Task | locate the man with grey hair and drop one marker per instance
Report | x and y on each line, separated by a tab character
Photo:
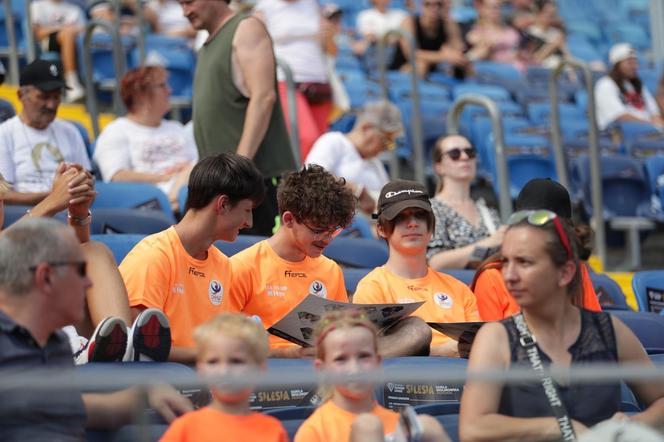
34	143
354	156
42	288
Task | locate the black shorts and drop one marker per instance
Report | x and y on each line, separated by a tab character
50	43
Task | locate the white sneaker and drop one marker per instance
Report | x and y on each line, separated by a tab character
107	344
74	94
149	337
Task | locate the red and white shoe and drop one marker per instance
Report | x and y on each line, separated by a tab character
107	344
149	337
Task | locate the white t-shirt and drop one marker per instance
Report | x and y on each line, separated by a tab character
126	145
51	13
29	156
610	105
294	27
374	22
336	153
169	16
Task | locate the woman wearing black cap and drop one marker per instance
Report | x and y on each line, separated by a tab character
541	270
494	301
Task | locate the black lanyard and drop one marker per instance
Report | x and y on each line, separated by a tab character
528	341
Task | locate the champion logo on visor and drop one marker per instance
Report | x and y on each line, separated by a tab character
399	192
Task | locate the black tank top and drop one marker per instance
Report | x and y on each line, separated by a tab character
423	41
586	403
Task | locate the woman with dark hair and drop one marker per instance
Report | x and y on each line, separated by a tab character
540	266
494	300
467	231
438	40
621	95
143	146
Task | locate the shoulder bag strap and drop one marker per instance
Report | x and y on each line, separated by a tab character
528	341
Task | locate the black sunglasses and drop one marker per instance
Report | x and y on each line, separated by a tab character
455	154
81	266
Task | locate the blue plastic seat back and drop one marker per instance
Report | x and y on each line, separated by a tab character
523	168
357	252
132	195
496	93
608	291
114	220
447	413
654	169
648	327
241	242
352	276
464	275
120	244
84	134
648	288
6	110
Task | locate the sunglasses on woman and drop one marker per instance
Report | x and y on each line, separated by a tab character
455	154
540	218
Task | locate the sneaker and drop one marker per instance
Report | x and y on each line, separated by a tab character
149	337
107	344
74	94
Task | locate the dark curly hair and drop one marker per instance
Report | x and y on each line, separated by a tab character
313	194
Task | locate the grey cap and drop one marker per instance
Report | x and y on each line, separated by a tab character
382	114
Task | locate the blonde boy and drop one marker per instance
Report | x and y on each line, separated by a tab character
229	343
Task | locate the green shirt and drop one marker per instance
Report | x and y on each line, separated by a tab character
219	108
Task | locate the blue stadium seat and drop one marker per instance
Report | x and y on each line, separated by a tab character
496	93
291	418
648	327
114	220
143	196
357	252
654	169
611	296
241	242
464	275
85	135
352	276
647	280
120	244
6	110
633	130
445	413
525	167
540	113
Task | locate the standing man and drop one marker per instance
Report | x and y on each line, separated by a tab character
236	103
34	143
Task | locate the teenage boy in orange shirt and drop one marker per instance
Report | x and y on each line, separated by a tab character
406	222
273	276
229	344
179	271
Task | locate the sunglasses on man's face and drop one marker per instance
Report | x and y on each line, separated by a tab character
455	153
540	218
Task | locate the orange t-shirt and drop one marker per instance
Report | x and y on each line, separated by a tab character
446	299
331	423
158	272
495	302
266	285
210	425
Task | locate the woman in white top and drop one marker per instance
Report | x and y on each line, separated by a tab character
466	230
300	36
621	95
143	146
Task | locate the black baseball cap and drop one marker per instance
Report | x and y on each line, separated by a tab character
396	196
545	193
44	75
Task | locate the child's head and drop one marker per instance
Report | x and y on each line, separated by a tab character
347	342
405	204
230	343
315	206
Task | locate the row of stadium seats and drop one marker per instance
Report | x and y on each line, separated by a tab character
439	399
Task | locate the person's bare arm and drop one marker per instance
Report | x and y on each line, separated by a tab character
24	198
460	257
252	48
140	177
112	410
651	393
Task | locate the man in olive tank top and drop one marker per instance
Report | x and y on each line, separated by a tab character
236	105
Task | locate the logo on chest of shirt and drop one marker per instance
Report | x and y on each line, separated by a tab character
216	292
193	271
443	300
291	274
178	288
318	288
414	288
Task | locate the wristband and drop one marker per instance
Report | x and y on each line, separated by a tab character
80	221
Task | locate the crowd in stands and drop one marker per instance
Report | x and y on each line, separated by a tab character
177	297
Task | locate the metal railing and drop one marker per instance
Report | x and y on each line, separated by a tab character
118	67
453	116
593	148
291	103
13	70
415	118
